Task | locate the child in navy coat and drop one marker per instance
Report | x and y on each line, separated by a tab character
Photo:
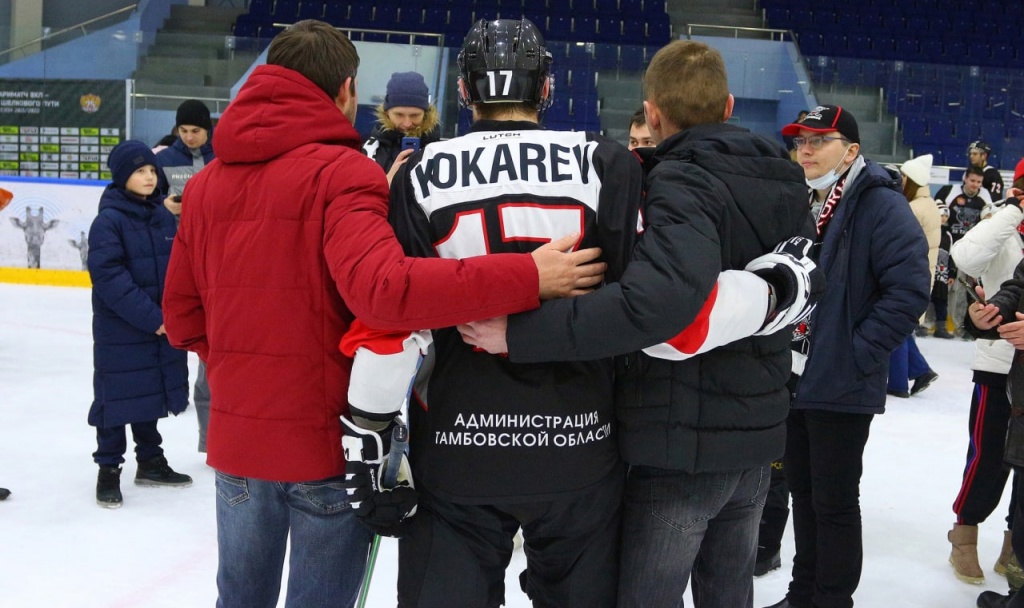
138	376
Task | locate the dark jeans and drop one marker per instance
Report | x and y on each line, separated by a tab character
775	515
201	398
824	463
454	554
112	443
984	473
676	524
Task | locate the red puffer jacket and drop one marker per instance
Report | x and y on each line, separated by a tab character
283	240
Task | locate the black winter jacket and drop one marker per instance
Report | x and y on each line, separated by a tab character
717	197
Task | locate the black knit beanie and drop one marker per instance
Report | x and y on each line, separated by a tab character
193	112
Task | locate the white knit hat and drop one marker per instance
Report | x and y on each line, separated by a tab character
918	170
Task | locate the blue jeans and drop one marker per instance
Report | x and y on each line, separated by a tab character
678	525
254	520
906	362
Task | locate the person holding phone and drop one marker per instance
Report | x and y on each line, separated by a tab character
989	251
407	121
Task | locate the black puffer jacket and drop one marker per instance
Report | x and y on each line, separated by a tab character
717	197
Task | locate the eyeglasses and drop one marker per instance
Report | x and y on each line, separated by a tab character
815	141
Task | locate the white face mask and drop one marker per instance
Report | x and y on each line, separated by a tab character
826	181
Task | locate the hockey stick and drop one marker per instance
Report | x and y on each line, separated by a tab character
399	443
371	561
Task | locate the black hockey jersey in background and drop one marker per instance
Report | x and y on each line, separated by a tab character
490	430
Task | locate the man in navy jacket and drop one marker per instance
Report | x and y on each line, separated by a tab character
875	260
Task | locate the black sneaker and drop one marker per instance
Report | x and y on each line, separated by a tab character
923	381
4	493
108	488
156	472
991	599
766	565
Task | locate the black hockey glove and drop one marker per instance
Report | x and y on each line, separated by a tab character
381	489
795	281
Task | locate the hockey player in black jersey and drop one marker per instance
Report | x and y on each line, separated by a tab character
498	446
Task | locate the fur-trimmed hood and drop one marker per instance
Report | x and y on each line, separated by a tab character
430	122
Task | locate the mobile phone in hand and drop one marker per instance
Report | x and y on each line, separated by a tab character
971	293
411	143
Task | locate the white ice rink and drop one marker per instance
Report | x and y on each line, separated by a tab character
58	549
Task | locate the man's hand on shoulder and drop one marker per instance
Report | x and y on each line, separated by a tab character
489	335
564	273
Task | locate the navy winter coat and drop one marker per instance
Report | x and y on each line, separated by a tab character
875	260
138	376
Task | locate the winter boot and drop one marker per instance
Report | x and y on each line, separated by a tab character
940	332
156	472
964	556
1007	564
923	381
4	493
108	488
991	599
768	564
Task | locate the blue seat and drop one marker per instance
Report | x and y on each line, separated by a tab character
908	49
435	18
634	31
286	11
980	52
915	128
261	8
659	29
336	13
942	131
559	27
954	50
360	14
777	17
584	27
245	29
921	148
311	9
632	58
385	16
609	30
801	20
606	56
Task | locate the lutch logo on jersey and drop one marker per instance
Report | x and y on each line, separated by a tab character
488	164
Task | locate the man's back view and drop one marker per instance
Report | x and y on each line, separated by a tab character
498	446
283	240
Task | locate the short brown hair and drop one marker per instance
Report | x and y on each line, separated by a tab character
638	119
317	51
688	83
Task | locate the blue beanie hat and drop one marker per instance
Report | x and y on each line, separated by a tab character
126	157
407	89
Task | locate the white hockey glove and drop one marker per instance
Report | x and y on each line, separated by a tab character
795	281
379	478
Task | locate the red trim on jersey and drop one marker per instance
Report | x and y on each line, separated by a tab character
482	222
380	342
690	339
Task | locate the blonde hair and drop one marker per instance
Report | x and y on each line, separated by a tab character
687	81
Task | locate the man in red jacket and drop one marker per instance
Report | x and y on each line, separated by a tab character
284	239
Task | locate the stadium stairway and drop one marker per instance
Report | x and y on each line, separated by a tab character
191	57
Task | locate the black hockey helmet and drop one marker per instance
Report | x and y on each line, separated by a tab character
505	60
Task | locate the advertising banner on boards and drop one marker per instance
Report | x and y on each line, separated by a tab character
60	128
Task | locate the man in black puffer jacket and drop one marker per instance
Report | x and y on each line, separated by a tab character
699	431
